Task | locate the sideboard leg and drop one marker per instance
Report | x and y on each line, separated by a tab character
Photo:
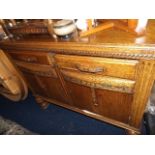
43	104
132	132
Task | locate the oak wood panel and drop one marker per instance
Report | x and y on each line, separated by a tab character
41	70
115	105
53	88
81	99
30	57
43	80
145	80
33	83
99	81
103	66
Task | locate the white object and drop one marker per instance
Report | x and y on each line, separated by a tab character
82	24
64	27
141	25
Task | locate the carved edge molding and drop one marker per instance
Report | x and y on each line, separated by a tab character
28	30
118	51
105	54
102	50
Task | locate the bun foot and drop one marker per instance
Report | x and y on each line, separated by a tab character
43	104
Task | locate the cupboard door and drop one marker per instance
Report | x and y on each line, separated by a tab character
106	96
43	80
115	105
81	96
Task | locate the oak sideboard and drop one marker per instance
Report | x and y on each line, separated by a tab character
107	76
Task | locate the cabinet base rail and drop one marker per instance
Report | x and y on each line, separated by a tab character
44	102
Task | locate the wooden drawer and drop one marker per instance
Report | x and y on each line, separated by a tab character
37	69
103	66
99	81
30	57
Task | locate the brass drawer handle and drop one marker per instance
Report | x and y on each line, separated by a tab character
28	59
32	59
90	69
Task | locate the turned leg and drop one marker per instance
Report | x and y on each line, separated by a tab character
132	132
43	104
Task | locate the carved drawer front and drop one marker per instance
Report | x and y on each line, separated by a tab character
102	95
43	80
37	69
30	57
95	65
99	81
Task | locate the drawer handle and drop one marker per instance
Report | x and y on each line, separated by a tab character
29	59
90	69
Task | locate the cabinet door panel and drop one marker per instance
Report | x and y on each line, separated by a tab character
115	105
47	87
33	84
43	80
81	96
105	96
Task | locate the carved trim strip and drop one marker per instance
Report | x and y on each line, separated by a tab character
150	55
100	82
101	50
28	30
94	97
107	54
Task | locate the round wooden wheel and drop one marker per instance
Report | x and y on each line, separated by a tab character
12	84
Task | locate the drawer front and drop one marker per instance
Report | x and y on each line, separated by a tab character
37	69
103	66
30	57
99	81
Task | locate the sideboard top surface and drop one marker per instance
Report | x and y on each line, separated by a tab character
110	39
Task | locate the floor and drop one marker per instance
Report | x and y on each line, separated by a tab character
54	120
8	127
